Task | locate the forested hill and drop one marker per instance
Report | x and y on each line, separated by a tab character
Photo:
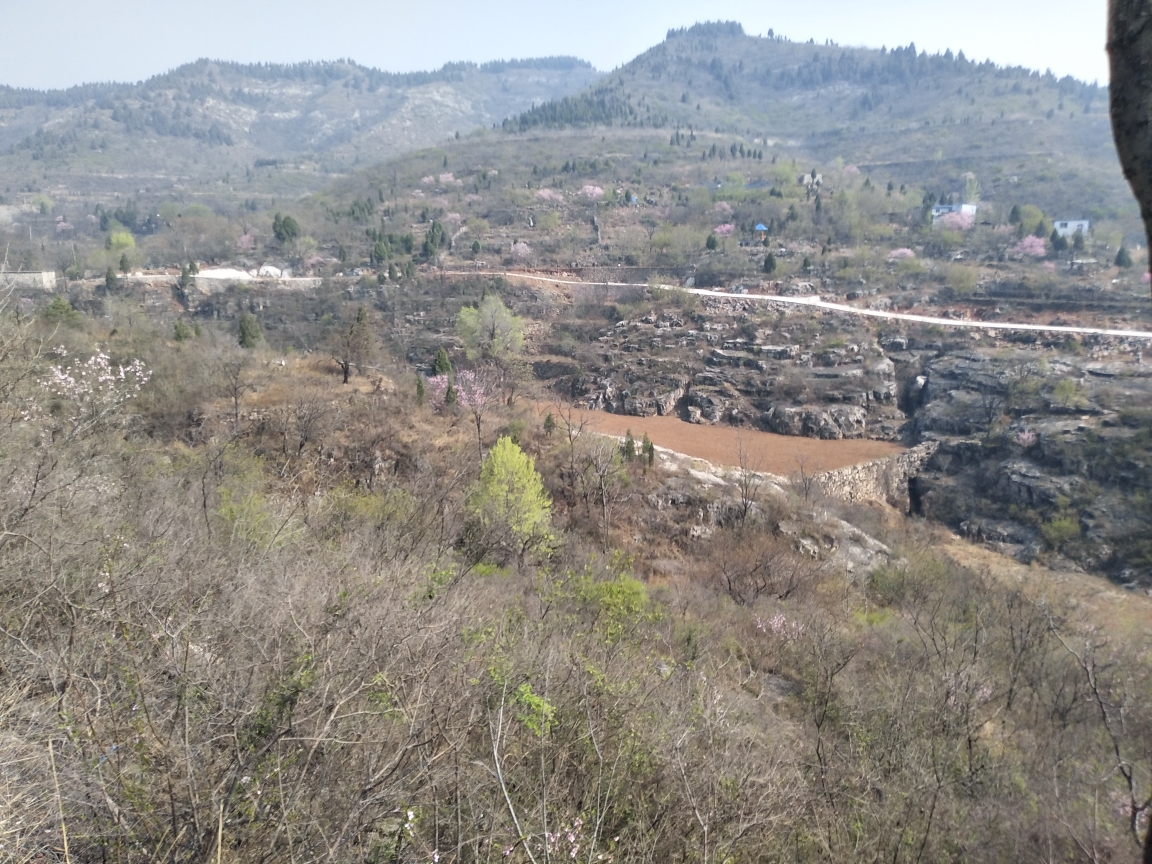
337	113
929	116
715	74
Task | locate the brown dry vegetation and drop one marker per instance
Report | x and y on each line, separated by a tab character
261	631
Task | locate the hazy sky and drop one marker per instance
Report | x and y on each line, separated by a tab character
57	43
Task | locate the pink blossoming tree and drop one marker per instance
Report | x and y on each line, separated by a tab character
1031	247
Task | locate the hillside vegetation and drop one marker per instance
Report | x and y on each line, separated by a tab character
253	614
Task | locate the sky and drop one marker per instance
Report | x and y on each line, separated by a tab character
58	43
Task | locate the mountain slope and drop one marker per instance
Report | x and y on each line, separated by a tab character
209	117
929	118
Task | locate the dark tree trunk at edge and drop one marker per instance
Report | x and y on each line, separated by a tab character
1130	94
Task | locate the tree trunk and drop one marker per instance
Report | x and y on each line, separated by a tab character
1130	52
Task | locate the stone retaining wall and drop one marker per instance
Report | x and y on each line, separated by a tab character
883	479
36	281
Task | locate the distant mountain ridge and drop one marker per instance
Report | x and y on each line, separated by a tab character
336	113
934	117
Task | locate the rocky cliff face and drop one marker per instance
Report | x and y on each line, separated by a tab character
1041	453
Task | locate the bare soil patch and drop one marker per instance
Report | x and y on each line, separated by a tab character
776	454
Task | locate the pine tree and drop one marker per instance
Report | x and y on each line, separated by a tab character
249	331
420	393
442	365
648	449
628	449
769	263
1123	258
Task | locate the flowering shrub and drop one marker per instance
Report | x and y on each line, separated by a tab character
428	181
1026	438
521	250
471	390
723	207
592	193
851	169
901	254
91	390
956	221
724	230
780	627
447	178
1032	247
549	195
246	242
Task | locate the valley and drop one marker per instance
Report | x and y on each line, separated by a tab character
742	455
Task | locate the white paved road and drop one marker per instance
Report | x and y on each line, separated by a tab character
817	303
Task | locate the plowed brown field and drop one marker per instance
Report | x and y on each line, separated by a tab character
775	454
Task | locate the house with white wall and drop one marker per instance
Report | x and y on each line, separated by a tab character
1070	227
942	210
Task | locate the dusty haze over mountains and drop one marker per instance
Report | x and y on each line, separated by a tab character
132	40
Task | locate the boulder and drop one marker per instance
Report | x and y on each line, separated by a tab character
827	423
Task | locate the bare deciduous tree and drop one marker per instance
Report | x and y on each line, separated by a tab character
234	373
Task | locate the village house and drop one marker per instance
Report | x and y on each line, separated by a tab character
1071	227
942	210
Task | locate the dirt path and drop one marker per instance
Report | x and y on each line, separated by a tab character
817	303
775	454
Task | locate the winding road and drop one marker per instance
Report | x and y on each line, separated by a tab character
817	303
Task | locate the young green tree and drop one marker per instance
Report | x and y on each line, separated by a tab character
1123	258
356	345
182	331
249	334
549	424
125	265
508	504
111	283
490	331
420	391
769	263
712	242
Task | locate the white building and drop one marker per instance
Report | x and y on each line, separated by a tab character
942	210
1070	227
